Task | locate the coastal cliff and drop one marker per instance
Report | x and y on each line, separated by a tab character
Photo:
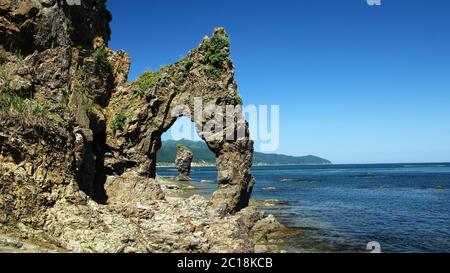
78	142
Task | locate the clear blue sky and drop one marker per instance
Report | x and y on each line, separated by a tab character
355	83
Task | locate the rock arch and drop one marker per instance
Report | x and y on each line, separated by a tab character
141	112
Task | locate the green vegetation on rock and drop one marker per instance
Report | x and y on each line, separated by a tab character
217	48
187	63
146	81
217	51
5	82
36	107
101	57
65	94
69	26
211	71
238	98
3	56
12	101
119	122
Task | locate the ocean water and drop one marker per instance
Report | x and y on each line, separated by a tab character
340	208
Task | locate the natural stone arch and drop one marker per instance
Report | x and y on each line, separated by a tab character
140	113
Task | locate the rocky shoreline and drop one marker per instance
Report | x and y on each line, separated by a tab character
173	223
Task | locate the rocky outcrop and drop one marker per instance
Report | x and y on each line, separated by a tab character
78	142
54	55
183	162
36	167
136	127
56	77
190	225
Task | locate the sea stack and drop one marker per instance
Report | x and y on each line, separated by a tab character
183	162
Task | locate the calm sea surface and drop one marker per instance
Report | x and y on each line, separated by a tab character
340	208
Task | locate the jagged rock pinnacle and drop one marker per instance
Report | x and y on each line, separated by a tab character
183	162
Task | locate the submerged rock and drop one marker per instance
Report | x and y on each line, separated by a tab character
269	230
266	203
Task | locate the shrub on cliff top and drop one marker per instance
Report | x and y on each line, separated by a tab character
217	48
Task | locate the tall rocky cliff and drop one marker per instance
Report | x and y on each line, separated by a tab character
78	142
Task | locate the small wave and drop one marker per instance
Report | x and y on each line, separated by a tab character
207	181
289	180
425	166
367	176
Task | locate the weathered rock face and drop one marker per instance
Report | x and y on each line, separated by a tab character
132	190
53	54
36	168
183	162
143	111
186	225
56	76
37	25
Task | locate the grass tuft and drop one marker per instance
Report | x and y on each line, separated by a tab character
238	98
65	94
211	71
69	26
101	57
187	64
119	122
3	56
147	81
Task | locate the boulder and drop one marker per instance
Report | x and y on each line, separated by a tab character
133	190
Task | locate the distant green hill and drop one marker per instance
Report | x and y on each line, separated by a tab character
202	154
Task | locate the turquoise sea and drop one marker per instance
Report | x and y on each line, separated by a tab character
340	208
